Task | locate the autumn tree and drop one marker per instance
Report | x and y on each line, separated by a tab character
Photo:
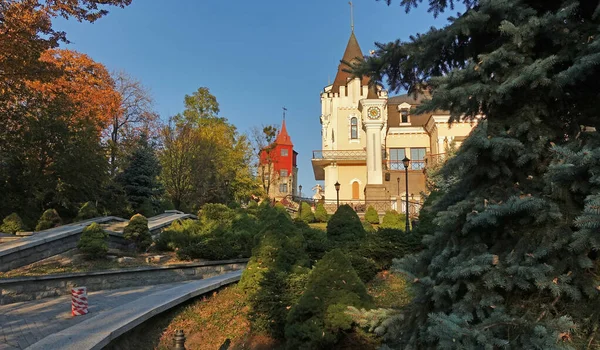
204	158
265	156
133	117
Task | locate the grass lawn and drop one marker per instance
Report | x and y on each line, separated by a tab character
222	318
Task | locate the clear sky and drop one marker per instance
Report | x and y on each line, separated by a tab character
255	56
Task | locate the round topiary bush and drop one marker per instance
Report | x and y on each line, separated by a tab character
93	242
87	211
321	214
371	216
319	318
49	219
392	219
138	233
12	224
345	226
307	215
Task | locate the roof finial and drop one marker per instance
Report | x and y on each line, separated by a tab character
284	110
351	15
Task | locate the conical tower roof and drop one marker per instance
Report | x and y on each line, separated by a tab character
283	138
352	53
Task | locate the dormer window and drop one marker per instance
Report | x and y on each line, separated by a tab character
404	115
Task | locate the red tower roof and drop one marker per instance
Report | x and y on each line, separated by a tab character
283	138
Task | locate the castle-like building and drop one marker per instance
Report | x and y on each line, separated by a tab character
366	134
278	169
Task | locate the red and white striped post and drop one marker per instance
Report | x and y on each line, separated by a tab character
79	301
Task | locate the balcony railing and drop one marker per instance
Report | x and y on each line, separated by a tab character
398	165
355	154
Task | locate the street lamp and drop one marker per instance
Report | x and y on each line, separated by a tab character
337	190
406	163
300	201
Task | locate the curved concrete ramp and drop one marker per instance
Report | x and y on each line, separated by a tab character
97	330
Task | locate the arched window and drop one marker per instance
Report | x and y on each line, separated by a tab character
353	128
355	190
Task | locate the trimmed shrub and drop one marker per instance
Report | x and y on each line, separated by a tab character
321	214
393	219
87	211
49	219
211	248
365	268
317	243
93	242
307	214
368	227
371	215
345	226
178	235
319	317
387	244
266	278
138	233
12	224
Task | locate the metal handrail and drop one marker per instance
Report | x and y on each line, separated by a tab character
340	154
398	165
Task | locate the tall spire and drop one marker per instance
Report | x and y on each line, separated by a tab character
283	138
351	16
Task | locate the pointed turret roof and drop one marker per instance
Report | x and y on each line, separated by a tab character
352	53
283	138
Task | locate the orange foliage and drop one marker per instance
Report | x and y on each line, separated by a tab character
86	83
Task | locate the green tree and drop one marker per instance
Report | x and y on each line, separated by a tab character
12	224
319	318
392	219
140	179
345	226
87	211
513	260
204	159
49	219
321	214
307	215
371	215
138	233
93	242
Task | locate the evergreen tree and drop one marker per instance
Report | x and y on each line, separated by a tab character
321	213
140	179
307	215
512	259
371	215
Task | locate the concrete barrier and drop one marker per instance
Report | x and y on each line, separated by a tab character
19	289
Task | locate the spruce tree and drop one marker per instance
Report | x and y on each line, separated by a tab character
140	179
512	259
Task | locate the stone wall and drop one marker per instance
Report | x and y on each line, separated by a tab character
18	289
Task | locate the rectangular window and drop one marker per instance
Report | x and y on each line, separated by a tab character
283	173
417	158
404	115
396	156
284	152
283	188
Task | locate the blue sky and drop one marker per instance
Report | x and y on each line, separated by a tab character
255	56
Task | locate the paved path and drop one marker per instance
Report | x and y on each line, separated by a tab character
48	323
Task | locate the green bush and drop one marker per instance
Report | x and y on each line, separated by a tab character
319	317
138	233
12	224
321	214
211	248
307	214
49	219
344	226
266	278
217	213
87	211
368	227
384	245
371	215
93	242
252	204
316	240
178	235
392	219
365	268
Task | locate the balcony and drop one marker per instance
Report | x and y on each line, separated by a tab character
352	154
398	165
